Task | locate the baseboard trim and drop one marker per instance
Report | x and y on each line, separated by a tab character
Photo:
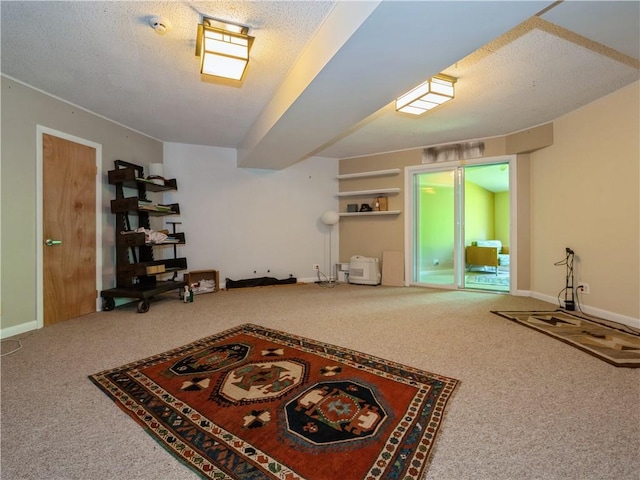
596	312
18	329
522	293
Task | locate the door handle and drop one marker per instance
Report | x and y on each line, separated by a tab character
50	243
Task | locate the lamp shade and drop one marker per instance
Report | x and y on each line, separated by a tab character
330	217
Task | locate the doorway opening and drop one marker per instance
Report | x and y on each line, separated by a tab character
461	225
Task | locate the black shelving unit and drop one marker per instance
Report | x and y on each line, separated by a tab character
136	268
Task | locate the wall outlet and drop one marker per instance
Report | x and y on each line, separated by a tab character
583	288
316	266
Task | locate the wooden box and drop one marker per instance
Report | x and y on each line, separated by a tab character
380	204
197	275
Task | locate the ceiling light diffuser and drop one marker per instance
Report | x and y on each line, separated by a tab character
223	48
430	94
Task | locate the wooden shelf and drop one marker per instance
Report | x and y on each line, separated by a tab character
369	214
378	191
376	173
136	268
140	269
137	239
132	204
128	177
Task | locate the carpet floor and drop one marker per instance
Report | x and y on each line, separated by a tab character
527	407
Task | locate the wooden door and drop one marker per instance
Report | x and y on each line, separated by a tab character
69	217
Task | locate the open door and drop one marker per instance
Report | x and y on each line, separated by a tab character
455	209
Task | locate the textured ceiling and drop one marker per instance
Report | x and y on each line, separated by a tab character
323	75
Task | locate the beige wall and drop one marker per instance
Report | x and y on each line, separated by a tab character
580	191
22	110
585	195
370	236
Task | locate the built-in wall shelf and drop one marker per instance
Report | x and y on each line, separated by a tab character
368	214
380	191
374	192
376	173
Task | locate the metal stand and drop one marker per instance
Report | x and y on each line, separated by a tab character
569	303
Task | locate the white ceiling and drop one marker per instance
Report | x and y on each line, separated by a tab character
323	75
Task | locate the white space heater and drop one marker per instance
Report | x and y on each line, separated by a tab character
364	270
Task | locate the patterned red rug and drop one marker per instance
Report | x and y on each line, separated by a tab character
255	403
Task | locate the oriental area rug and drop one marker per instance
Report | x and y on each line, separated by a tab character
606	342
255	403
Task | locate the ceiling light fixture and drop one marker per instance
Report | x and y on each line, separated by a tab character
223	48
435	91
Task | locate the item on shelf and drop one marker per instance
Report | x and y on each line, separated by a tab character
352	207
365	207
156	173
154	208
152	236
381	204
158	180
155	269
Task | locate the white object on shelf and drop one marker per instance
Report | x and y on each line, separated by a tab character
157	170
369	192
376	173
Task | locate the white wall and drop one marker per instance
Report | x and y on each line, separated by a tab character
250	223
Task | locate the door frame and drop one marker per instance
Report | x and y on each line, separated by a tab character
409	223
40	132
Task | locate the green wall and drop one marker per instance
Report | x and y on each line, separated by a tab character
436	227
502	217
486	218
479	213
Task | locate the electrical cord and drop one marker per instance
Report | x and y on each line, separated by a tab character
568	261
620	327
558	297
19	347
327	283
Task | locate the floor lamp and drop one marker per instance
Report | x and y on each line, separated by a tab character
330	218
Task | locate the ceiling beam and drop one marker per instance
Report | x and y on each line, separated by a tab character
413	41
